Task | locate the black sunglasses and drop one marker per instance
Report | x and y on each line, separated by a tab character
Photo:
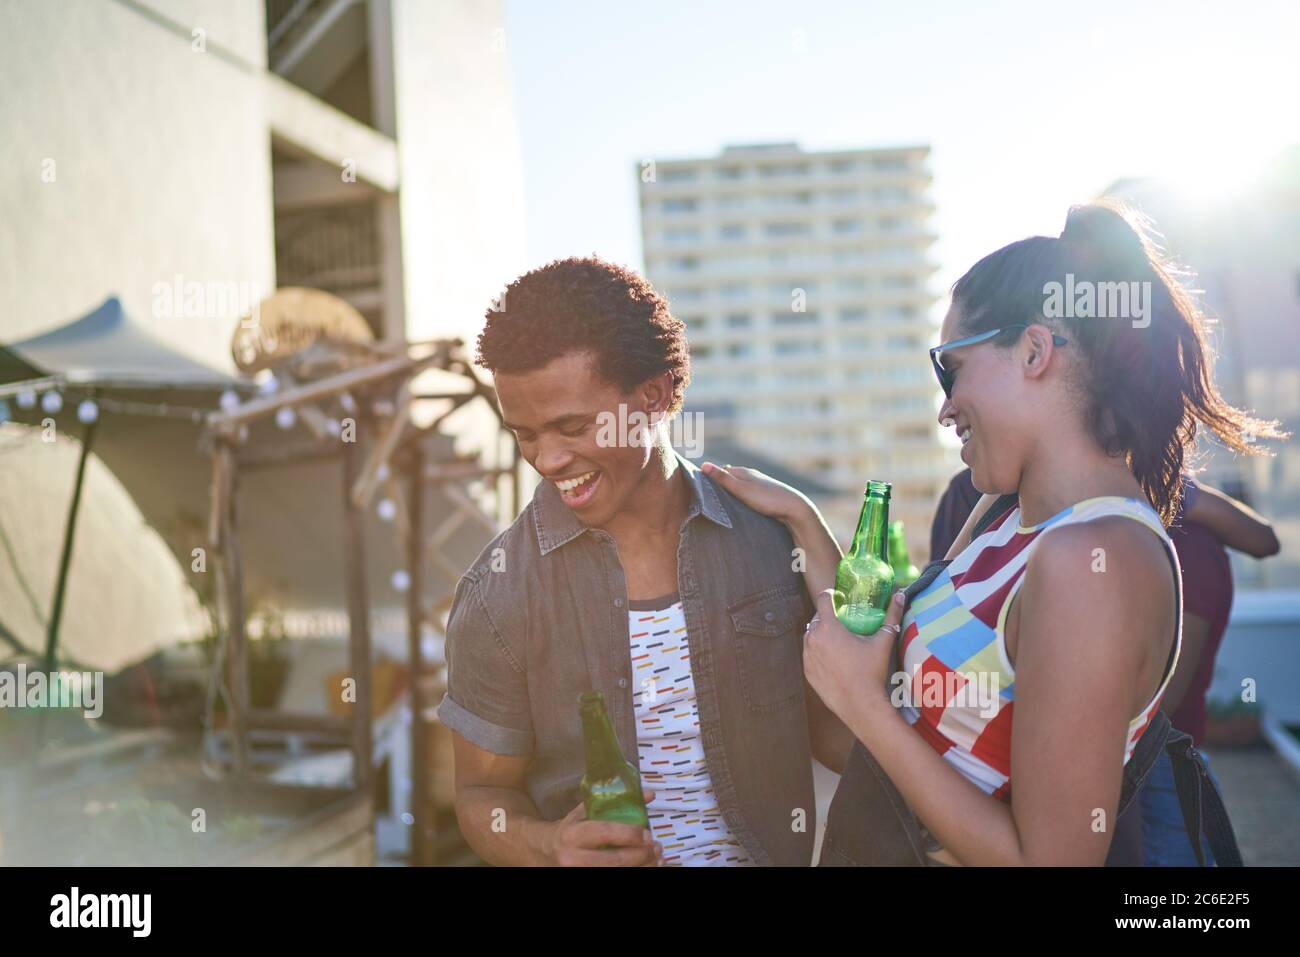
947	376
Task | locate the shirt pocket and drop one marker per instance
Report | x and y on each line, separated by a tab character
768	629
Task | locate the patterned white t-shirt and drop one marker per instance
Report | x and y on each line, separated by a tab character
684	815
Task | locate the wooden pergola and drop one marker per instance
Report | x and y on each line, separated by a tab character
381	444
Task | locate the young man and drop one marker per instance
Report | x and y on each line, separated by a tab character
633	574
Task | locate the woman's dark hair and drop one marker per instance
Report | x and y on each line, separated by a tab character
1147	384
587	305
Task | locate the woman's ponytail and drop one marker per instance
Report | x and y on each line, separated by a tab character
1147	374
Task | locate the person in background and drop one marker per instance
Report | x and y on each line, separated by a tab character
955	505
1208	521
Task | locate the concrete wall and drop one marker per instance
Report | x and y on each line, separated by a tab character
462	205
159	157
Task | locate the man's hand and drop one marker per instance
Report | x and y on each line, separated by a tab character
577	842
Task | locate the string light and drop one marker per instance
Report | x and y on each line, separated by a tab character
87	411
229	401
286	417
51	402
401	580
26	399
386	509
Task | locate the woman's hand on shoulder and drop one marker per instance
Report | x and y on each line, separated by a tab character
761	492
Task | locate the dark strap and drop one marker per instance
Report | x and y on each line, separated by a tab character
1201	803
1204	813
1145	754
1004	504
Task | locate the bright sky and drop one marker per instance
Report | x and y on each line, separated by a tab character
1029	106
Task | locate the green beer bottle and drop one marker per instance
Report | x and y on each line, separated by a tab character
864	580
904	571
611	788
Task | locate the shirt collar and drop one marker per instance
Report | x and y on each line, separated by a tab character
557	525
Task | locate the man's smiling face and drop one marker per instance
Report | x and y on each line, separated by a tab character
555	413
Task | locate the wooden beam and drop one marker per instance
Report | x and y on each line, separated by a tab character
264	719
422	833
313	391
364	487
460	469
232	589
354	570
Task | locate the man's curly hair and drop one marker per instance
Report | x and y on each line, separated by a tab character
587	305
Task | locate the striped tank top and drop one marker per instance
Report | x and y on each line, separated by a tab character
953	644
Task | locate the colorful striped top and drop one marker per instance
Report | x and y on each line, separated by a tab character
953	643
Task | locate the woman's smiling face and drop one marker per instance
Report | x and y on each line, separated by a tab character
985	408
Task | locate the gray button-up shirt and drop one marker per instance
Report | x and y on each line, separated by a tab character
542	617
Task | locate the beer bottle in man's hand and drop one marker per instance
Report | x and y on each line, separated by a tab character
611	788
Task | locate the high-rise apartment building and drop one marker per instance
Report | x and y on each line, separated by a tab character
803	281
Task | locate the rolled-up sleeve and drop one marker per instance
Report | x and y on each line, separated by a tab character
487	688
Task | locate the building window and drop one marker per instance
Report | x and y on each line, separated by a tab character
735	291
771	170
853	315
681	234
789	199
680	205
739	320
740	350
787	229
678	175
731	172
731	232
795	318
845	226
797	347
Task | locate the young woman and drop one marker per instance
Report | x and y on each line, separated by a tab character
1068	606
